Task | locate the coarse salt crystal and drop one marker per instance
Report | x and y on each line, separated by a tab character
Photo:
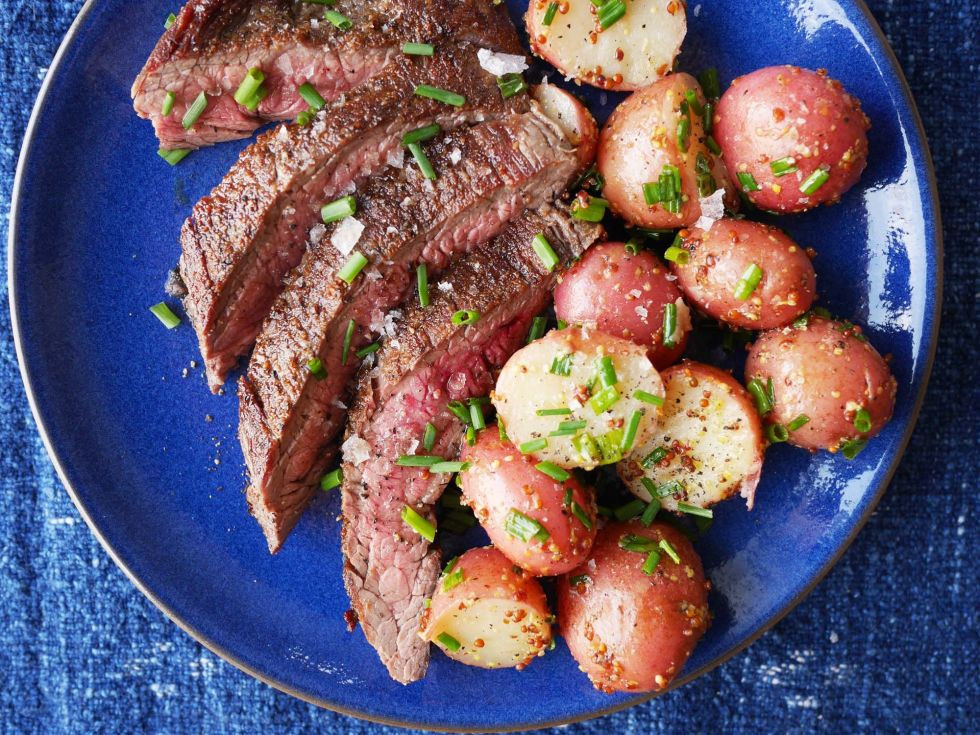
712	209
347	234
444	286
356	450
499	64
455	156
317	233
642	312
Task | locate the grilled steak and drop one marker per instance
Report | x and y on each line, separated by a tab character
213	44
241	240
389	568
289	417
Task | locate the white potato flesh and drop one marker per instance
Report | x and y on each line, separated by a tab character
574	119
527	385
709	438
633	52
492	633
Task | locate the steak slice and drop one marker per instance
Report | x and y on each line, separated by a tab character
288	418
389	568
244	237
212	44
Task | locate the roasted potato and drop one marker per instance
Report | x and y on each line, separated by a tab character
488	613
574	119
654	158
578	398
633	613
828	388
633	51
625	295
745	274
793	138
707	447
537	515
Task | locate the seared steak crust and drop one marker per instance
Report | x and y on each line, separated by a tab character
288	417
390	569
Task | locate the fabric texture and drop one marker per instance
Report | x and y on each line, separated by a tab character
886	643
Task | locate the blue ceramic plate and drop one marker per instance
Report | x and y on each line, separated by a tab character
151	460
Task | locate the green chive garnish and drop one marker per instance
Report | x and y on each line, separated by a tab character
604	399
783	166
670	325
422	276
544	251
340	20
650	565
534	445
553	411
352	268
470	436
305	117
694	510
163	312
632	427
631	510
449	642
194	112
639	544
524	527
420	134
748	181
568	428
776	433
424	164
579	579
677	255
642	395
418	49
511	84
448	467
691	97
799	422
168	104
650	512
553	471
170	20
476	417
249	86
429	437
670	550
465	316
348	338
538	325
594	211
748	283
460	411
338	209
610	12
422	526
652	193
683	134
332	479
315	366
708	79
761	396
173	156
549	14
452	575
313	98
440	95
368	349
607	372
655	457
862	420
579	512
418	460
852	447
562	365
812	183
713	146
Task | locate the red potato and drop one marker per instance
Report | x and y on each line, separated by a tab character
628	630
636	50
640	138
504	489
719	259
707	447
624	295
784	118
574	119
828	373
486	612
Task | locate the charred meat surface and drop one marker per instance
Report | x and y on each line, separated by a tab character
213	44
289	416
390	569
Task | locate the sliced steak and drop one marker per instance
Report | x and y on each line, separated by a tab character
389	568
213	44
242	239
288	417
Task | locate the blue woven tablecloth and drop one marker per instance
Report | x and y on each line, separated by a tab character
887	643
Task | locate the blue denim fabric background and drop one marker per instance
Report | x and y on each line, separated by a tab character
887	643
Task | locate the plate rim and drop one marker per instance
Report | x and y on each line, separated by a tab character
936	314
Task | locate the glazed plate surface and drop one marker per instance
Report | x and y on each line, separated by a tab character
150	456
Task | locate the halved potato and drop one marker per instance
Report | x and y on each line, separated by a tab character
636	50
574	119
557	404
707	447
488	613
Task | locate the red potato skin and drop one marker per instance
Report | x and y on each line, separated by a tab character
827	373
600	291
639	138
785	111
575	120
501	478
721	255
628	631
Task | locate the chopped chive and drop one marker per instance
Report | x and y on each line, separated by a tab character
642	395
249	86
862	420
650	512
568	428
591	174
502	430
305	117
651	193
799	422
691	97
252	103
511	84
670	325
368	349
312	97
476	417
748	282
650	565
748	181
352	268
783	166
549	14
630	510
594	211
579	512
425	165
604	399
170	20
670	550
449	642
440	95
452	575
422	276
479	401
464	317
639	544
524	527
340	20
851	448
677	255
429	436
315	366
553	411
776	433
553	471
470	436
562	365
168	104
708	121
607	372
348	338
418	460
173	156
632	426
671	487
448	467
562	324
610	12
649	486
579	579
655	457
338	209
418	49
460	411
758	391
708	79
802	322
812	183
194	112
683	134
166	316
422	526
534	445
604	511
713	146
420	134
332	479
694	510
544	251
538	325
